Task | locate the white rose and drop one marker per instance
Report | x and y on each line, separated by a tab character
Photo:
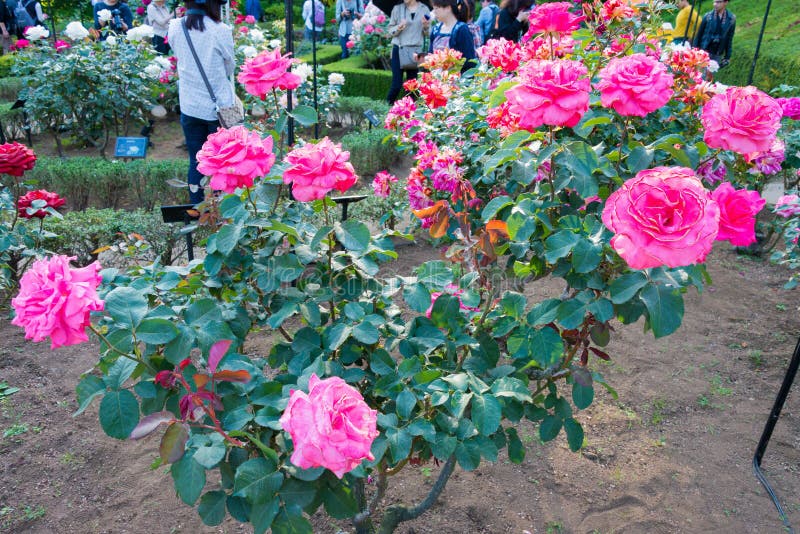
335	78
249	51
257	36
76	31
713	66
303	70
163	62
275	43
153	70
104	15
34	33
140	33
111	40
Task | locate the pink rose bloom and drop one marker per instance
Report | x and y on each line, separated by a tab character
57	301
788	206
769	161
617	10
51	200
554	17
266	71
662	216
20	44
712	171
634	85
501	53
350	44
369	28
250	19
331	426
737	214
61	45
742	119
790	107
382	183
234	157
316	169
553	93
140	11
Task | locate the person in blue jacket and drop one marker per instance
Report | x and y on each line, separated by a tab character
452	30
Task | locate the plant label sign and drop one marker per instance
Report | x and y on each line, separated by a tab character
131	147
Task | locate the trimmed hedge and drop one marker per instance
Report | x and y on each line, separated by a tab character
326	53
771	71
359	79
10	86
368	153
86	181
349	111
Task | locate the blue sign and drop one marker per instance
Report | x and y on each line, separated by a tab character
131	147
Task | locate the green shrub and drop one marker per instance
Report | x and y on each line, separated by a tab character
360	80
6	62
13	121
86	181
276	11
83	233
349	111
771	71
326	53
368	153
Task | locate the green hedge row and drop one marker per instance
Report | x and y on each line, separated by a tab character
368	153
86	181
771	71
326	53
361	80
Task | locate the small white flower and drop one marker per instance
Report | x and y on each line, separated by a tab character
140	33
104	15
249	51
163	62
303	70
76	31
719	88
335	78
153	70
667	27
111	40
713	66
275	43
159	111
34	33
257	36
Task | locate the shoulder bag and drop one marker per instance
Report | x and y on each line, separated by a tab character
229	116
406	53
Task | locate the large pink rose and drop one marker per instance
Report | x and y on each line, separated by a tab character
662	216
790	107
331	426
234	157
742	119
737	214
554	17
55	300
634	85
267	71
316	169
555	93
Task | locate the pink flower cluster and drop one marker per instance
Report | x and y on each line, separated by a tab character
553	93
267	71
769	161
553	18
234	157
501	54
316	169
331	426
382	183
635	85
743	119
56	300
616	10
788	205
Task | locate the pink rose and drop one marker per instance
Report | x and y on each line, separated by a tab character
250	19
742	119
266	71
737	214
55	300
382	183
662	216
350	44
140	11
768	161
790	107
60	45
233	158
316	169
788	206
331	426
20	44
51	200
554	93
16	158
369	28
634	85
501	53
554	17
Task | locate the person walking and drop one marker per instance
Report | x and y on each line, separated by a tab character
314	24
213	43
159	16
486	18
715	34
346	12
408	23
686	22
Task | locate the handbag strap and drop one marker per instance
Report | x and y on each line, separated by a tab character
199	66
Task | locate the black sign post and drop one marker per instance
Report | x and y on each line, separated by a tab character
131	147
181	213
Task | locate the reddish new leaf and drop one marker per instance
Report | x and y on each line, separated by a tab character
173	444
232	376
201	380
600	354
216	353
149	423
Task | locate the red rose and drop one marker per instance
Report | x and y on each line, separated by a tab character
16	158
52	200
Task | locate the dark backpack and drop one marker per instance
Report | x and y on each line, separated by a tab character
319	13
24	18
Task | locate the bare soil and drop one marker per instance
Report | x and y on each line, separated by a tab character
671	455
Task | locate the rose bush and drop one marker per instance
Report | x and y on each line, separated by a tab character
519	173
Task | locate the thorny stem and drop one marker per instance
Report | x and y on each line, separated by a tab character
285	334
622	139
362	519
709	158
552	171
124	354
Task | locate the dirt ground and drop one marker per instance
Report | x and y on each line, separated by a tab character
672	454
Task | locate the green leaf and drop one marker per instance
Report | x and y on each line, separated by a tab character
495	205
336	335
297	493
173	443
443	446
119	413
119	372
571	313
582	396
486	414
189	478
417	297
435	274
210	455
626	286
664	307
126	306
639	159
546	346
352	234
550	427
544	312
512	388
574	432
406	401
399	443
581	159
212	508
304	115
586	256
516	450
559	245
263	515
286	523
89	387
156	331
228	237
339	502
366	333
468	455
257	480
